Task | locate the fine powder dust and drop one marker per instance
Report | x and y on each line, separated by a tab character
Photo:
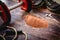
35	22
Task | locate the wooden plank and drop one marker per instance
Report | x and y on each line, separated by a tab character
50	33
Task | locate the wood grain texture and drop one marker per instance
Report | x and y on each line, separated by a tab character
50	33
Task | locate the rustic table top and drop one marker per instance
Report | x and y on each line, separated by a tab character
50	33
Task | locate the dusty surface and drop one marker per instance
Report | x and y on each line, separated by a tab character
50	33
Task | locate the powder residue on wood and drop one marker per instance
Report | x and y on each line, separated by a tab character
35	22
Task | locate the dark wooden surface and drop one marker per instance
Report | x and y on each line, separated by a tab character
50	33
